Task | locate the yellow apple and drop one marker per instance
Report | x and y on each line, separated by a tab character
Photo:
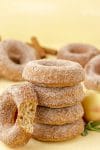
91	104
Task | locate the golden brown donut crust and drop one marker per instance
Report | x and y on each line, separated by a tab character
17	136
13	57
17	112
58	133
53	73
78	52
92	69
59	116
59	97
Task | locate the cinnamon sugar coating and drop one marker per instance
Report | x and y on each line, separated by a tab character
78	52
59	97
53	73
92	70
58	133
59	116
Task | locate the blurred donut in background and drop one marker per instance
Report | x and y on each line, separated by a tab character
13	57
78	52
92	70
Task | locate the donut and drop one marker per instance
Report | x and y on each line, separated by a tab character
13	57
77	52
59	116
92	69
59	97
55	133
17	112
53	73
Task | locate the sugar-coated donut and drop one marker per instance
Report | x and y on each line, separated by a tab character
58	116
53	73
78	52
59	97
92	70
13	57
58	133
17	112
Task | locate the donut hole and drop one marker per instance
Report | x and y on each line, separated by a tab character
97	69
53	63
15	57
8	109
15	115
78	50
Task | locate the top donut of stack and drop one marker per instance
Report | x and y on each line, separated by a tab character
53	73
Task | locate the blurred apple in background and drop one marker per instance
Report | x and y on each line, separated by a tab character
91	104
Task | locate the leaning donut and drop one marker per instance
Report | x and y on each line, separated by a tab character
53	73
13	57
92	70
77	52
58	116
17	112
59	97
58	133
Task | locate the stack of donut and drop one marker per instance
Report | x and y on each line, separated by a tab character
60	93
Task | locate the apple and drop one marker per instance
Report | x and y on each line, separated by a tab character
91	104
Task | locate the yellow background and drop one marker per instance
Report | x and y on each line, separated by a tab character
55	23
